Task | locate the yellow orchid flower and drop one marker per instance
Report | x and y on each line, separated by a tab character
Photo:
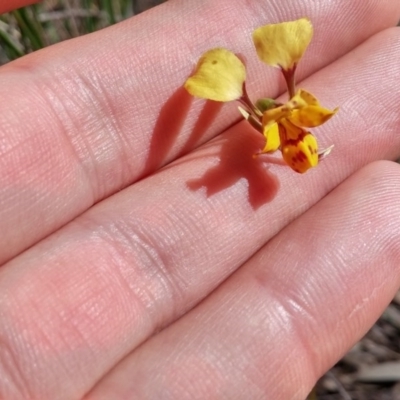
220	75
303	110
282	45
283	127
299	148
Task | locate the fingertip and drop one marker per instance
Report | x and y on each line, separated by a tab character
6	6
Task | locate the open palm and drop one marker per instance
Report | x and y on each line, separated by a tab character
147	255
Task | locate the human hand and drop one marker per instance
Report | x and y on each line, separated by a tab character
131	272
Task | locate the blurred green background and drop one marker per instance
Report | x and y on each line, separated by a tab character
34	27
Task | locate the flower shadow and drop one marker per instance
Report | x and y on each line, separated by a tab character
236	162
167	127
207	116
169	124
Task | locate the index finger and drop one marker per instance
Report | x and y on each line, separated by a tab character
90	116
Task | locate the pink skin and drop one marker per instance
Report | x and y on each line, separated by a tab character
84	120
9	5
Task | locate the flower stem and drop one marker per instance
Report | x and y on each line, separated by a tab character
245	100
289	78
